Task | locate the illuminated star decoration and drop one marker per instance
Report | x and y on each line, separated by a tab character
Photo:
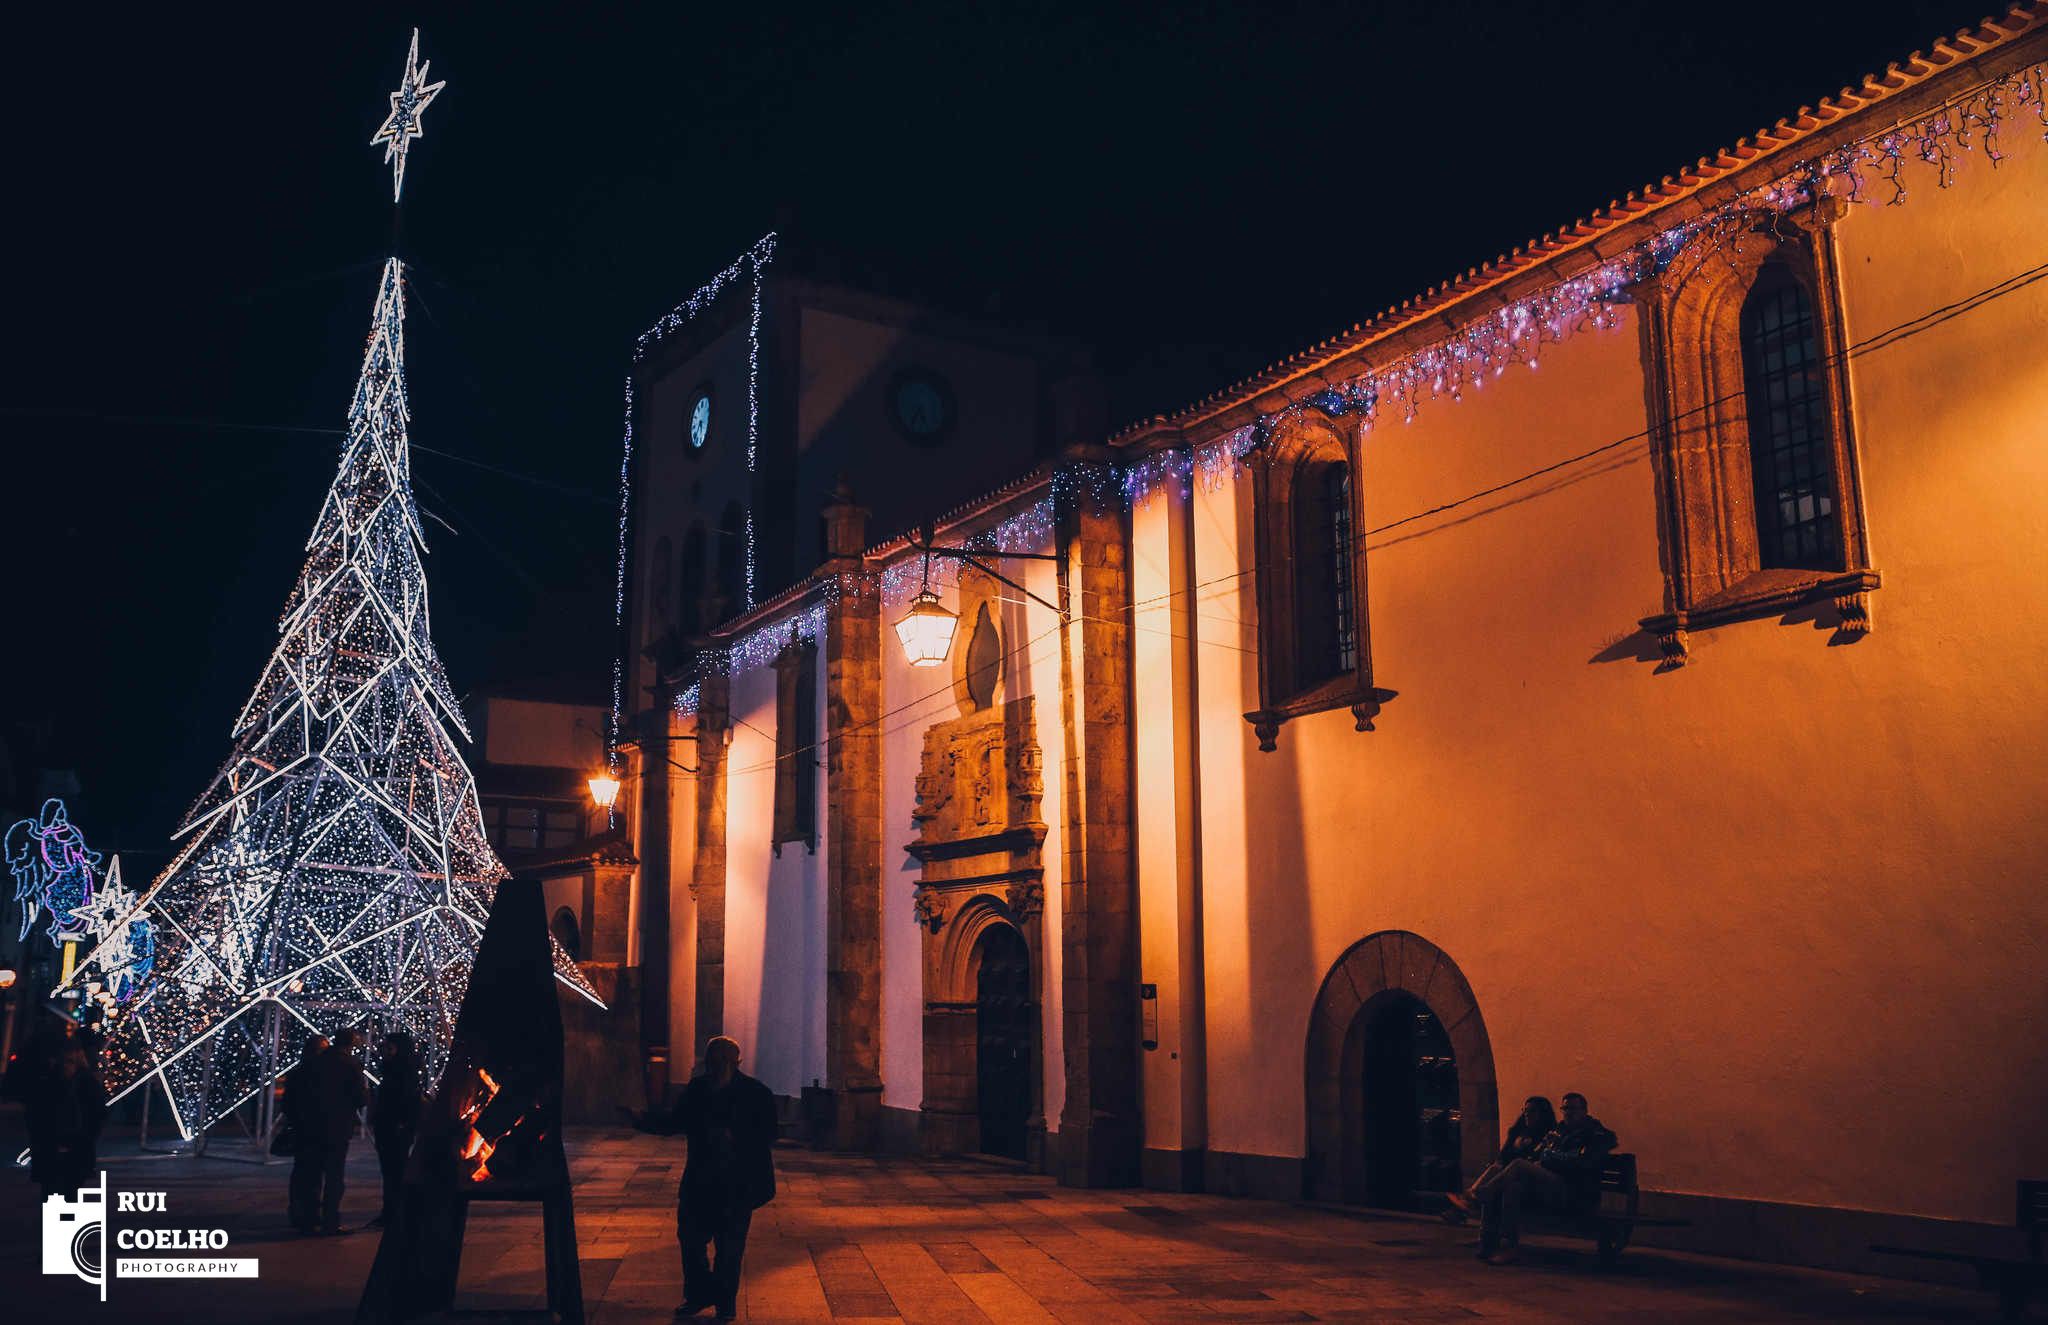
124	937
402	125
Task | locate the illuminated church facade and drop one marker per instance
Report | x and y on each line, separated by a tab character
1610	670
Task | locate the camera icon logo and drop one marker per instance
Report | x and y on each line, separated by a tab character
75	1235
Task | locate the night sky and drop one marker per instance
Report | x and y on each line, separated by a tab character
197	221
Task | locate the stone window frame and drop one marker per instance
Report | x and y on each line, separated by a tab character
797	746
1697	390
1292	454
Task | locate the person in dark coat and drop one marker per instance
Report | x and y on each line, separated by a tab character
395	1115
66	1105
1537	1120
301	1097
1562	1173
341	1091
729	1118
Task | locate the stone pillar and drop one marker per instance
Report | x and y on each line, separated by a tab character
1101	1129
846	528
607	901
853	841
707	882
655	798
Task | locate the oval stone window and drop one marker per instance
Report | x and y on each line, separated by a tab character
984	661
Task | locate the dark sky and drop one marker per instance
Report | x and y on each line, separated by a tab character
196	222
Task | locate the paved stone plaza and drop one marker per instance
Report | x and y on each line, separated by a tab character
940	1241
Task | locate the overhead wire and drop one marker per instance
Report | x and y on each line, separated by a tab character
1880	340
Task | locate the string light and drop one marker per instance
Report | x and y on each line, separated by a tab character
1466	360
611	744
1487	346
337	870
756	260
754	403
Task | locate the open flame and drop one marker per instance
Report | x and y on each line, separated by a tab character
476	1145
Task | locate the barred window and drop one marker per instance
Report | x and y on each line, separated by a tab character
1752	441
1325	616
1797	525
1315	641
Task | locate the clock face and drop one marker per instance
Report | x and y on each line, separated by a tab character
922	405
700	420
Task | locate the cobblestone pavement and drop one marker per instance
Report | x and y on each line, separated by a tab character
854	1239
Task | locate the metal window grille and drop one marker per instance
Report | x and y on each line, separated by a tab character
1789	452
1326	619
1344	617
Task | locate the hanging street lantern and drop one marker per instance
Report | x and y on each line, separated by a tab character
604	790
926	630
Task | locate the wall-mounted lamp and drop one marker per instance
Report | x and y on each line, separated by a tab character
927	629
604	790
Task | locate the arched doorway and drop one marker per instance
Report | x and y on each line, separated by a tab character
1410	1088
1399	1076
1004	1022
983	1068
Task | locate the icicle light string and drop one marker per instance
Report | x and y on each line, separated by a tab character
1486	347
687	701
900	578
755	260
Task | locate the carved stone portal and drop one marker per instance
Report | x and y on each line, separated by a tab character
980	838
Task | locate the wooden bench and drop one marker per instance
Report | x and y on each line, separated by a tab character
1611	1221
2014	1278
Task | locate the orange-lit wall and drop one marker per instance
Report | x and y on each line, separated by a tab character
912	700
1778	913
774	905
543	733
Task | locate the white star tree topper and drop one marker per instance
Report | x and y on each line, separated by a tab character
408	104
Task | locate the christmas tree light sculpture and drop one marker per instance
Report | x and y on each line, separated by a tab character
336	872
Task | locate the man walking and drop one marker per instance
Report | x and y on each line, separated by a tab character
729	1118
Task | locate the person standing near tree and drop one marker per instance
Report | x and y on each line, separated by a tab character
338	1091
729	1118
65	1108
395	1116
301	1097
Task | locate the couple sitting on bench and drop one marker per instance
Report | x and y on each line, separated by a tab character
1553	1162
